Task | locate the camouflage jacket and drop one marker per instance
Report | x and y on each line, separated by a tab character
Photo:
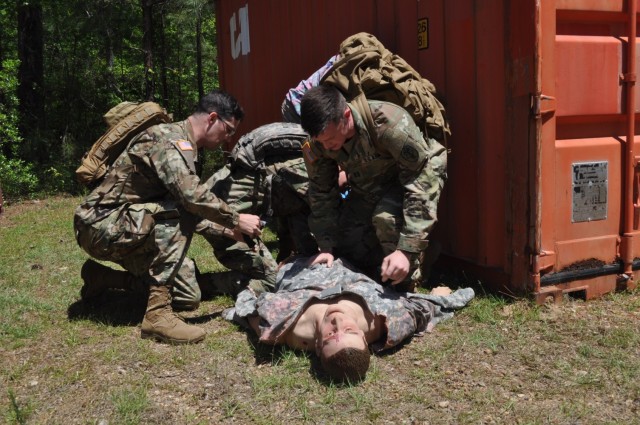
157	167
397	157
403	314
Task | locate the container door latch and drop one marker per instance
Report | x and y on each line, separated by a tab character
537	106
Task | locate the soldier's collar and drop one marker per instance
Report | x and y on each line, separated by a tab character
189	128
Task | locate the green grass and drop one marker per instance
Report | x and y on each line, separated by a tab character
130	402
497	361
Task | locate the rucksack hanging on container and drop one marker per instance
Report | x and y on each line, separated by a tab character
365	70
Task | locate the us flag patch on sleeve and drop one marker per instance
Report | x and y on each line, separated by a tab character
309	156
184	145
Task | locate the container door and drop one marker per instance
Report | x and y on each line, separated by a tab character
582	107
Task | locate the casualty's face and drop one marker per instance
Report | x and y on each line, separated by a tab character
338	330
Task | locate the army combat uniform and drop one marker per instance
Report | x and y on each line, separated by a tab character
396	176
143	214
403	314
265	176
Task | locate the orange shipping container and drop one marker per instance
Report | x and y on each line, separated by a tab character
543	196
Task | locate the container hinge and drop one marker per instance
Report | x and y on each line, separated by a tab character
536	104
628	78
543	262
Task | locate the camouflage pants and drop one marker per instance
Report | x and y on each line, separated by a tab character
148	240
370	228
278	187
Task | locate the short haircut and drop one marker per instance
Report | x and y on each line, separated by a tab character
222	103
349	364
320	106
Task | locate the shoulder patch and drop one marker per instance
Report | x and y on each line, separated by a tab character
308	153
184	145
409	153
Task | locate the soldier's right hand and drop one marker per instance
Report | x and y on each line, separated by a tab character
249	224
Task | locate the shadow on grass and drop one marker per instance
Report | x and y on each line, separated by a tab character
115	308
121	308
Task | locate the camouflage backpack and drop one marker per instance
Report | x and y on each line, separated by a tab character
275	139
125	120
281	142
367	70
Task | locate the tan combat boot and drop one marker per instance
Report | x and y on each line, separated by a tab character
98	278
161	323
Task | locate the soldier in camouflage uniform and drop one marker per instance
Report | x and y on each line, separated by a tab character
265	176
143	214
395	174
332	310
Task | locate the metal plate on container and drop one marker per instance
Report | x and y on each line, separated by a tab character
590	188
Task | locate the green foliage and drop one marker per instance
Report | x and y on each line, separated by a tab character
9	134
17	177
93	59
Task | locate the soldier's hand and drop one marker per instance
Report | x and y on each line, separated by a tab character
322	257
249	224
395	266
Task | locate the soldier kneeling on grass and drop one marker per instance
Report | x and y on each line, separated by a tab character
265	175
143	214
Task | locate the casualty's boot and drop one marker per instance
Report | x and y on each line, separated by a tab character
161	323
98	278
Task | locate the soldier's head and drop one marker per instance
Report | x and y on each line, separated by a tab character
215	119
326	116
341	345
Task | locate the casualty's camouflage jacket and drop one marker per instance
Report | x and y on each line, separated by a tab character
396	157
157	168
403	314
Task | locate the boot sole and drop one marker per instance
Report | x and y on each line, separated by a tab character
172	341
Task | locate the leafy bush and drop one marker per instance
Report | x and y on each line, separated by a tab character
17	178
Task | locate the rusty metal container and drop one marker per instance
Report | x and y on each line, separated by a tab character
543	196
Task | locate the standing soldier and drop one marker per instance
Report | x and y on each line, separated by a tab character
143	214
395	173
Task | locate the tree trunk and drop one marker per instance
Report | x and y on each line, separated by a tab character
163	64
199	54
147	48
31	77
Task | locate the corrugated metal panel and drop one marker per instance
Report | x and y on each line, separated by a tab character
533	92
280	43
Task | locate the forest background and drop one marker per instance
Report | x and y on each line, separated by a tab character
63	64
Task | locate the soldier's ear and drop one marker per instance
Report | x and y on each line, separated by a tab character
347	114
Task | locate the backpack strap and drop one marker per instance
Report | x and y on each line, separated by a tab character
361	105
